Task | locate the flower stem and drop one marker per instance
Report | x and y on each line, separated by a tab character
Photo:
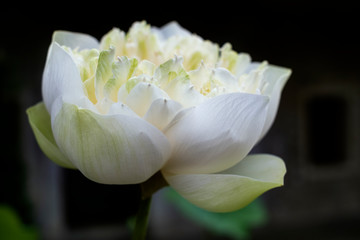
152	185
147	189
142	219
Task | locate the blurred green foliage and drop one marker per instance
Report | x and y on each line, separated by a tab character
11	227
234	225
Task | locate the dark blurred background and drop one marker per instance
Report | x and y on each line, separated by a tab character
316	132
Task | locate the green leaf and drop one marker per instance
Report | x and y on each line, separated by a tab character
11	228
235	225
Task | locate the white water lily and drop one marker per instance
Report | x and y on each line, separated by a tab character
160	99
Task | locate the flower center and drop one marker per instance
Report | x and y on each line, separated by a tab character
186	69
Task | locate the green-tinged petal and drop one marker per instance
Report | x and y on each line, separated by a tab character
89	86
141	42
275	78
75	40
115	38
103	71
172	77
170	70
126	88
145	67
110	149
194	50
225	127
194	60
86	61
40	123
234	188
122	70
234	62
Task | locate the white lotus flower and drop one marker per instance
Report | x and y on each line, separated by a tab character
151	100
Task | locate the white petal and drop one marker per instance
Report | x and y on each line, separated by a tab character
161	112
103	106
252	66
122	94
232	189
120	108
184	93
169	30
146	67
61	77
200	76
226	79
242	64
276	78
75	40
142	95
110	149
216	134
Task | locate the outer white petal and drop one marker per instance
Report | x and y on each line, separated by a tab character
216	134
61	77
276	78
232	189
75	40
109	149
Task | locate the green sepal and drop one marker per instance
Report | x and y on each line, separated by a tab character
40	123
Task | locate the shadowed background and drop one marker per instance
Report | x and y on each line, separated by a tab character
316	131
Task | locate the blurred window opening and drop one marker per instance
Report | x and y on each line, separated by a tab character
327	130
